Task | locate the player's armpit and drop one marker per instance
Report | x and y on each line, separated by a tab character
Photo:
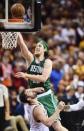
47	69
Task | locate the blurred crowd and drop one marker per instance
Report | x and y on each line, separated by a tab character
63	30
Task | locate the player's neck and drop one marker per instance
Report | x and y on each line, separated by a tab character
40	58
34	102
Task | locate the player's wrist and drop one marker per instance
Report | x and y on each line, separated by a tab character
26	75
59	109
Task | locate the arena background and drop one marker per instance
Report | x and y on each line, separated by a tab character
63	30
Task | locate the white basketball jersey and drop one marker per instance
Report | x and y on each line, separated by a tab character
34	126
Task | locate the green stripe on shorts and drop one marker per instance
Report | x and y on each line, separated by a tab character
50	103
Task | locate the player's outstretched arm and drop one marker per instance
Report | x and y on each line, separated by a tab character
40	78
37	90
24	50
39	115
75	107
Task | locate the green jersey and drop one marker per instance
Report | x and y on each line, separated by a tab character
37	69
47	98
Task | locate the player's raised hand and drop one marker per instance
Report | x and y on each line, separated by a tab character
66	107
20	75
38	90
61	105
33	92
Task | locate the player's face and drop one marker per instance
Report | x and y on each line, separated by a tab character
39	49
30	94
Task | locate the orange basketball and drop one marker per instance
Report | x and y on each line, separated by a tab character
17	10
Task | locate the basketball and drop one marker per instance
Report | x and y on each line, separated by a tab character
17	10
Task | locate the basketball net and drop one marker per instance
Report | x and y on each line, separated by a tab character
9	40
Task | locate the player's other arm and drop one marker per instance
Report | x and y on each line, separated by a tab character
45	74
48	121
40	78
6	102
24	50
75	107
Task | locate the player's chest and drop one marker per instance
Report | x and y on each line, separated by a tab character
36	69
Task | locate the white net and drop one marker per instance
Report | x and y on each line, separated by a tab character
9	40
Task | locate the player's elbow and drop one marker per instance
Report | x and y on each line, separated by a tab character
43	79
48	123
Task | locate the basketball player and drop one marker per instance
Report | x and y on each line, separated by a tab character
35	112
38	73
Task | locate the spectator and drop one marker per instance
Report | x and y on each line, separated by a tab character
80	90
7	71
56	75
69	96
16	107
61	90
19	65
82	44
17	112
18	123
4	105
28	16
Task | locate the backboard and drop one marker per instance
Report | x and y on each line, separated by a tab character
20	15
